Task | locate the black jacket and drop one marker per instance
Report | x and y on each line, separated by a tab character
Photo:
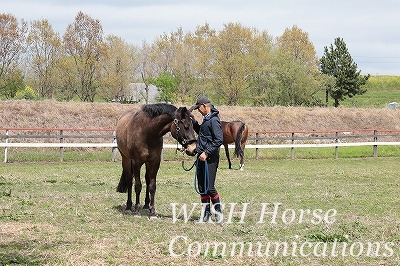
210	133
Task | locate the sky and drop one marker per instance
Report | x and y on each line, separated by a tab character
370	28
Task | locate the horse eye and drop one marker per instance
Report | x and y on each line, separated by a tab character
186	126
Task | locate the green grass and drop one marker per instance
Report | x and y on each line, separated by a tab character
104	154
381	90
53	154
69	213
373	99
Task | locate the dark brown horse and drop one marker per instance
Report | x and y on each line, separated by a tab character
235	132
139	140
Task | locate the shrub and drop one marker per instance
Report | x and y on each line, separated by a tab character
28	94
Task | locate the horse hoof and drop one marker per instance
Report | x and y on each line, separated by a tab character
127	212
136	214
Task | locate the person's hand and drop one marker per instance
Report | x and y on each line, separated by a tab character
203	156
192	117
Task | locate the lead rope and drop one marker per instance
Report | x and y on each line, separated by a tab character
206	176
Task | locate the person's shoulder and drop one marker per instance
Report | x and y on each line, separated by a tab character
214	115
215	119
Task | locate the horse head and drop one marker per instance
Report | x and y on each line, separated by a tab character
182	130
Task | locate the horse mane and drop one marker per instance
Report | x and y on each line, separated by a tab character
157	109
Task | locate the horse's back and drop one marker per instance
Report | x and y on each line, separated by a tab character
136	138
129	133
123	125
124	119
230	130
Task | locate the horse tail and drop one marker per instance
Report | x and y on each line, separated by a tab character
238	139
122	187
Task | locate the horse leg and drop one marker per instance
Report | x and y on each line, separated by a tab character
227	155
125	183
138	188
151	174
241	158
242	145
147	198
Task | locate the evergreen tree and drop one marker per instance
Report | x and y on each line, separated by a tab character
337	62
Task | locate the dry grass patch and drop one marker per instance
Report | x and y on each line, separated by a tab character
49	113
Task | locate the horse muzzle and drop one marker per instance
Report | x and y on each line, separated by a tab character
190	149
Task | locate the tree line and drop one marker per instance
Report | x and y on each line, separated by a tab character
237	65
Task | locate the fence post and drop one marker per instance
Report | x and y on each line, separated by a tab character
6	148
375	149
336	147
162	150
114	150
292	149
256	144
61	148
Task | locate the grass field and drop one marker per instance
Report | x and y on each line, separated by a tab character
104	154
69	214
373	99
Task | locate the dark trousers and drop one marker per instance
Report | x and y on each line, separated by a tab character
212	193
212	174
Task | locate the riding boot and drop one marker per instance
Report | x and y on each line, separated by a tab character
205	210
219	218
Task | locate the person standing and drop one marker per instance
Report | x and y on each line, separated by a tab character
210	138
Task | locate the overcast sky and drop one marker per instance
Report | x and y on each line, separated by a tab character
371	29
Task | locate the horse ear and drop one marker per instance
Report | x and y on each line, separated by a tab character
184	112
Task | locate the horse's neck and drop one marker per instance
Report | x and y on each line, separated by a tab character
162	125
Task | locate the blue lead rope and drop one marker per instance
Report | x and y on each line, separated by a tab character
206	179
206	176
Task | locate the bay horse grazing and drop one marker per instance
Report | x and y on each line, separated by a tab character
235	132
139	140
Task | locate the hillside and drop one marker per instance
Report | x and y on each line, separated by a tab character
50	113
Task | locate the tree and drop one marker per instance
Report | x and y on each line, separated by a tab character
83	42
173	53
12	47
235	62
337	62
117	68
296	43
68	89
297	68
203	44
167	86
142	69
263	81
14	82
289	73
44	47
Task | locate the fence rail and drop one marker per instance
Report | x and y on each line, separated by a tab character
105	138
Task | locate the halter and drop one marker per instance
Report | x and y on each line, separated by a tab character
177	128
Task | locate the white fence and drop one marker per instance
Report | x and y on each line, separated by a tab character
275	140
